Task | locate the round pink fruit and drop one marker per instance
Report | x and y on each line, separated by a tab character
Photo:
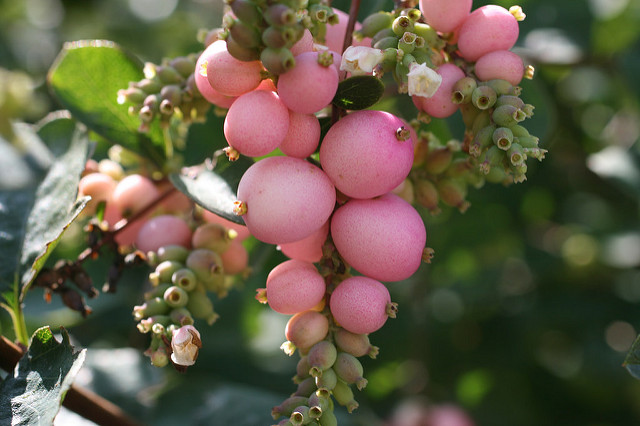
256	123
487	29
226	74
294	286
287	199
308	249
303	135
445	16
440	105
363	155
163	231
359	304
382	238
500	64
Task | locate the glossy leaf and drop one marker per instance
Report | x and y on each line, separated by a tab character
86	78
214	190
359	92
34	393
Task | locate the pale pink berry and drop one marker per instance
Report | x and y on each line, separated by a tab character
440	105
243	232
229	76
308	249
305	44
445	15
134	193
334	38
309	86
177	202
287	199
360	304
303	135
500	64
256	123
98	186
163	231
128	235
364	155
307	328
235	259
487	29
202	82
382	238
294	286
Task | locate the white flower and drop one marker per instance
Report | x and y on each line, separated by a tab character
185	343
360	59
423	81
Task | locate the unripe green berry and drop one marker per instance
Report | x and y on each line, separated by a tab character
507	115
306	387
516	154
493	157
386	43
157	291
437	160
426	195
159	358
482	140
429	35
287	406
327	380
240	52
279	15
152	307
463	90
372	24
302	368
300	416
277	61
483	97
349	369
510	100
172	252
149	86
207	266
185	279
453	193
245	34
358	344
502	87
176	297
201	307
344	396
503	137
321	356
181	316
168	75
401	25
387	32
246	11
328	419
407	42
166	269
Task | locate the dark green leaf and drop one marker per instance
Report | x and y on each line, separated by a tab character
33	395
359	92
632	361
55	129
215	191
86	78
55	206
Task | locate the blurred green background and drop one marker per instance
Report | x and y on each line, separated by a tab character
530	305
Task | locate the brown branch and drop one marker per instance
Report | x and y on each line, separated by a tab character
79	400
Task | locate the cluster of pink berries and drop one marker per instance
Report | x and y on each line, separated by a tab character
342	200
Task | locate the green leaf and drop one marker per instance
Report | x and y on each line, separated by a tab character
33	395
617	34
359	92
632	361
214	190
86	77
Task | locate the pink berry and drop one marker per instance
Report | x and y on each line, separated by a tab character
334	38
287	199
307	328
202	82
163	231
445	16
500	64
308	249
227	75
487	29
134	193
243	232
305	44
177	202
359	304
294	286
235	259
382	238
440	105
256	123
309	86
98	186
128	235
303	135
363	155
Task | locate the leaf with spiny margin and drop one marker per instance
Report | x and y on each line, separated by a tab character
215	190
358	92
34	393
86	77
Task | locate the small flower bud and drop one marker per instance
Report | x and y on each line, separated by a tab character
185	344
159	358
